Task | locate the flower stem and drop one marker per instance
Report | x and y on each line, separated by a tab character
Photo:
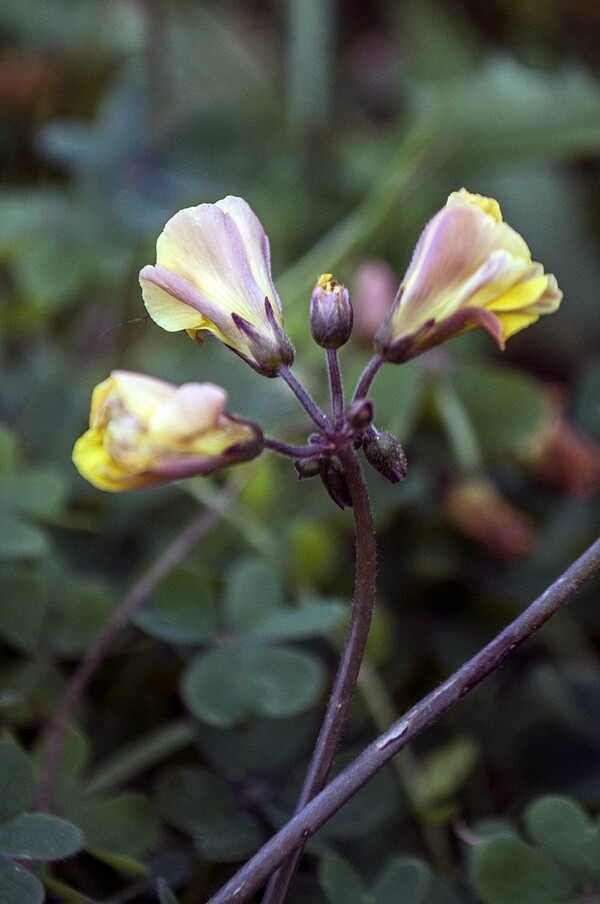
347	675
123	614
304	824
367	377
276	445
305	399
335	383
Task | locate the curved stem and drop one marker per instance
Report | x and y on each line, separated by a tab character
305	399
304	824
335	383
122	615
347	675
276	445
367	377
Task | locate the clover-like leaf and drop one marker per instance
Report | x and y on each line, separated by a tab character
227	685
182	610
39	836
563	830
506	870
16	781
18	885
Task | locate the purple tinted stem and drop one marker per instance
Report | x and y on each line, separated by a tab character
304	824
305	399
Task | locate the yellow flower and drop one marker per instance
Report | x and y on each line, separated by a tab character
213	273
145	432
469	269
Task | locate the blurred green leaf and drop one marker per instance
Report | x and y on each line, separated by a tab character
18	885
23	606
8	450
505	870
19	540
16	781
165	895
253	593
310	618
506	407
39	836
226	685
404	880
182	609
200	804
76	619
537	114
562	829
126	825
341	883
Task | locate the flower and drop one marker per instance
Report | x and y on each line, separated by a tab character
469	269
330	313
213	273
145	432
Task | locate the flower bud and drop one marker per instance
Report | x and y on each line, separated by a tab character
330	313
144	432
308	467
385	454
359	413
334	481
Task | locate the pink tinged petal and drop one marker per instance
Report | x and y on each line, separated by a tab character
256	244
172	302
204	245
138	393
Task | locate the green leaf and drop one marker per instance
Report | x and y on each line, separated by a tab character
23	605
38	493
309	619
18	885
126	825
341	883
253	593
39	836
16	780
443	771
506	870
505	407
165	895
8	450
405	880
563	830
227	685
19	540
75	620
537	114
200	804
182	610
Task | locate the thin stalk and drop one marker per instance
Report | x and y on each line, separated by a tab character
335	384
347	675
304	824
122	615
367	377
305	399
276	445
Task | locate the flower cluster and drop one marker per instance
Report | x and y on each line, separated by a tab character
213	275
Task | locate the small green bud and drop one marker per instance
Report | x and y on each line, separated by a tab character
308	467
330	313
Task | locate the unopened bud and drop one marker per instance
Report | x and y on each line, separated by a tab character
334	481
359	414
330	313
386	455
308	467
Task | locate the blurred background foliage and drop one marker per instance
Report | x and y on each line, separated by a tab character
345	125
